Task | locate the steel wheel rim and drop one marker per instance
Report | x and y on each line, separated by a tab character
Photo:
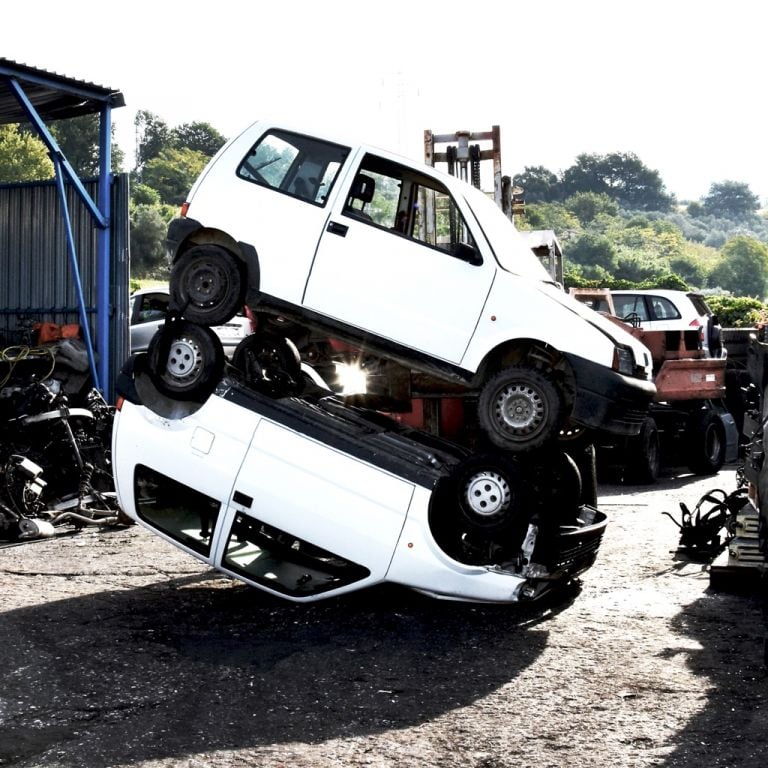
184	361
487	495
520	409
207	284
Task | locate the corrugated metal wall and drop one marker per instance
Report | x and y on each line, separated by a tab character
36	281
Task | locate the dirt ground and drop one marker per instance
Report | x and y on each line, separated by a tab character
119	650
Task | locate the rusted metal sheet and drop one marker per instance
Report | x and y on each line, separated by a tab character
691	379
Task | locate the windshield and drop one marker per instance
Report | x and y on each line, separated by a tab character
510	249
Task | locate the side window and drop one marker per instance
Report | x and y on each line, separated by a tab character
179	511
663	309
295	165
627	306
403	201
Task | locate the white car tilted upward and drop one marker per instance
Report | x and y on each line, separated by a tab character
404	261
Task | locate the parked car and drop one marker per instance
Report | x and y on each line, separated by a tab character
148	309
409	263
667	310
307	498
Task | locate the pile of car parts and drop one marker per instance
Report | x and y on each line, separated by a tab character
55	432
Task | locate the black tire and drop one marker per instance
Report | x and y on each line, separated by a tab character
206	285
521	408
706	443
186	361
554	484
486	495
272	360
644	455
714	337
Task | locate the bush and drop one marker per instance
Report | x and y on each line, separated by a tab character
738	311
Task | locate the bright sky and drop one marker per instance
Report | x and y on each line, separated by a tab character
678	82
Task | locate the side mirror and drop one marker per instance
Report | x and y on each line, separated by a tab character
468	253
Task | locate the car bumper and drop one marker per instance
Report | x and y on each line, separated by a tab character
608	401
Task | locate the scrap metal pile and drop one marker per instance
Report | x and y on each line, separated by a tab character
55	432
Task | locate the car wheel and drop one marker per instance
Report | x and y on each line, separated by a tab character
644	459
272	360
206	285
486	495
706	444
521	408
186	361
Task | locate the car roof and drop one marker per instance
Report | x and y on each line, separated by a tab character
155	289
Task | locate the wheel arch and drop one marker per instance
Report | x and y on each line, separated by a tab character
533	352
245	253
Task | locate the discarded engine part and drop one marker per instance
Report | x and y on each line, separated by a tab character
700	531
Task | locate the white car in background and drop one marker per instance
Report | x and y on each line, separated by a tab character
148	309
668	310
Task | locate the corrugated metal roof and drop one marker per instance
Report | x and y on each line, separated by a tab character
53	96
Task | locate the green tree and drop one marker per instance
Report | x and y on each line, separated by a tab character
78	138
152	136
173	172
592	251
550	216
23	157
621	176
587	206
743	269
200	137
730	199
149	226
539	184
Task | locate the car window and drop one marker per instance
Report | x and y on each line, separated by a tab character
630	306
295	165
182	512
699	304
663	309
407	203
152	306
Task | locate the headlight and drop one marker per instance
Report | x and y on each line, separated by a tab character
623	361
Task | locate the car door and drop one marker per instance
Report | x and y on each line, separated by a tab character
397	259
299	505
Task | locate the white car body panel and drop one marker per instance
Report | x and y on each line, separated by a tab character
362	509
434	309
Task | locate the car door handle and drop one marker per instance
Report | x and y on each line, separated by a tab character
337	229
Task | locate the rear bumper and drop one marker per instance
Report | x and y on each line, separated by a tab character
608	401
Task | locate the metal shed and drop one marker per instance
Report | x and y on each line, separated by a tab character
64	244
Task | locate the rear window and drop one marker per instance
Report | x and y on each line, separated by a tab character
295	165
699	304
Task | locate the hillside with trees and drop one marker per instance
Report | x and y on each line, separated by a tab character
618	224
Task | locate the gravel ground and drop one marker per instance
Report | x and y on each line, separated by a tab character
122	651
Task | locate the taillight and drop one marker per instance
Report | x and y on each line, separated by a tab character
184	209
119	403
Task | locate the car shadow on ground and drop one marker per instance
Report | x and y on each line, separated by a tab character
201	664
728	628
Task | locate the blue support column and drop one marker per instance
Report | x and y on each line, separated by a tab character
104	247
85	326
